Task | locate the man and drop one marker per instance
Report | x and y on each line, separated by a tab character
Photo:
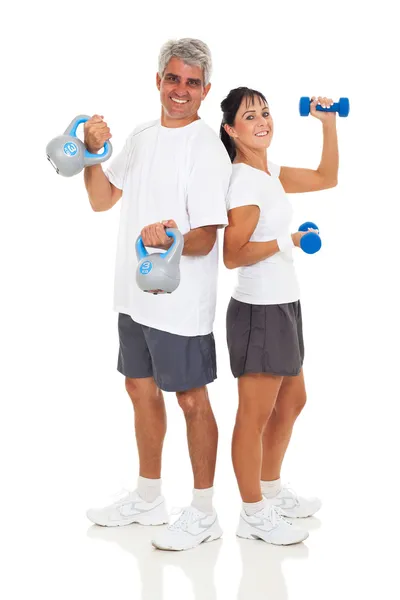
173	172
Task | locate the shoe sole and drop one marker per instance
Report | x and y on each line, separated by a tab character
212	537
300	516
246	532
287	516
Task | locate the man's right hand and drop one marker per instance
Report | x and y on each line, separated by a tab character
154	236
96	133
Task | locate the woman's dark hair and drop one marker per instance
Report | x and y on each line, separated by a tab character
229	107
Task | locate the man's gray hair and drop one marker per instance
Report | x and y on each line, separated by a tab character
190	51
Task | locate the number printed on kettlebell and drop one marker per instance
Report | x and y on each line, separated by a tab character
70	149
146	267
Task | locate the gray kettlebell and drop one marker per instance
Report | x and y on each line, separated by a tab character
158	272
69	155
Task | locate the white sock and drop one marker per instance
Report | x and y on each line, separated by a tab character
270	489
202	500
149	489
251	508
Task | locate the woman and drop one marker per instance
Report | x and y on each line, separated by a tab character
264	328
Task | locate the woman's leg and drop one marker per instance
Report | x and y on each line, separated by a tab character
257	397
277	433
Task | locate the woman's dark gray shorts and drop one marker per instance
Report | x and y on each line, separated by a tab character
265	338
177	363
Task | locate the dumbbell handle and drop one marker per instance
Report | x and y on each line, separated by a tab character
333	108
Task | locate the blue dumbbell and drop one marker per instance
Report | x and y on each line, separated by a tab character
342	107
310	242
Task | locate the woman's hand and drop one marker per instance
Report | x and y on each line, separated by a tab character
325	117
296	237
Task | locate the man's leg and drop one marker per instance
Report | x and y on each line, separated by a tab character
145	505
186	365
150	424
202	435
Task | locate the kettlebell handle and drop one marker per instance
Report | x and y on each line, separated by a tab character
141	251
177	246
71	130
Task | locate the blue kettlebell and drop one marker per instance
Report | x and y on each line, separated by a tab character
69	155
158	273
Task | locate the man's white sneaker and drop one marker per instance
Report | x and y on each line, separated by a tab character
130	509
293	506
268	525
192	528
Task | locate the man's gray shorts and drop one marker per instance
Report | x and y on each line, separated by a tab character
177	363
265	338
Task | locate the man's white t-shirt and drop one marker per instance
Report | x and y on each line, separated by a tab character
170	173
272	280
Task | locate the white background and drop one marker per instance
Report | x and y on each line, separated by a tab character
67	423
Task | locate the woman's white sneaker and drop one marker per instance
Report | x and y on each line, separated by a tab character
293	506
191	529
130	509
268	525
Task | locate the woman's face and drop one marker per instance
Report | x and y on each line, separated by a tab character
253	126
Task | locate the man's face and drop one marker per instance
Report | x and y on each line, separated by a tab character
182	89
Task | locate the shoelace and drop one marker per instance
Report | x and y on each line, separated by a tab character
275	515
187	516
291	491
278	510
